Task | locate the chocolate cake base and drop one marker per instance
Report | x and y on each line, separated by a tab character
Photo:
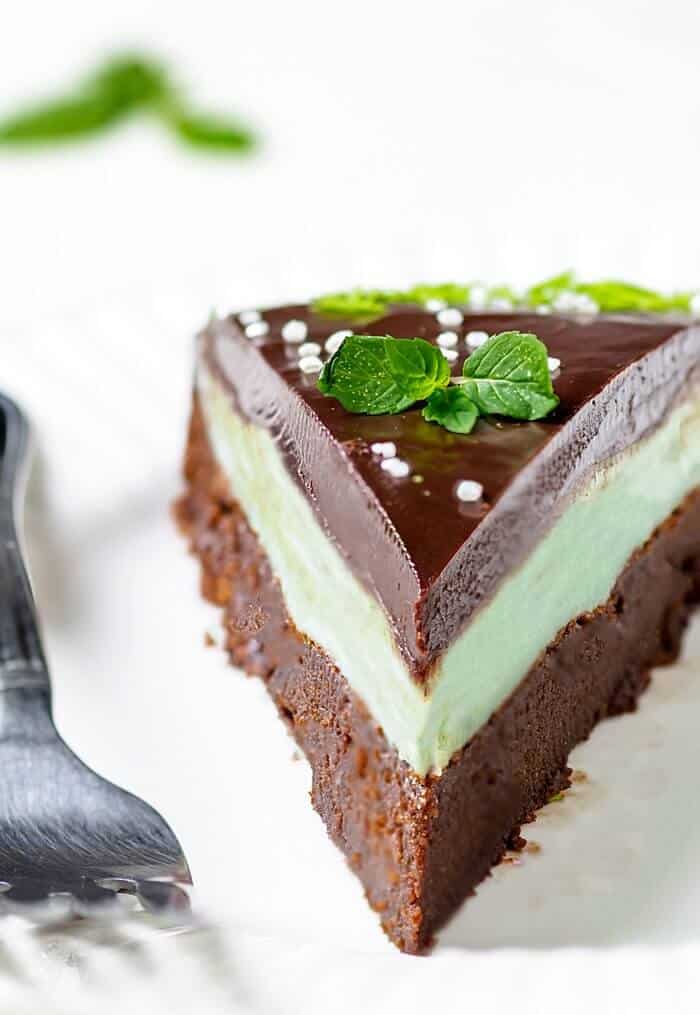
421	845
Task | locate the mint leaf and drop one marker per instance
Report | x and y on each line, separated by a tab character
364	305
120	86
129	80
610	296
559	291
373	375
453	409
545	293
620	297
211	132
123	85
358	305
509	376
448	292
62	120
502	293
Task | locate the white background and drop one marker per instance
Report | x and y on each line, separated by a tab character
402	142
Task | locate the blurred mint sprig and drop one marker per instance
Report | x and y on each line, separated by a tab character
565	292
123	86
562	293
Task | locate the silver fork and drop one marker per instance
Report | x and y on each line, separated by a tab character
64	831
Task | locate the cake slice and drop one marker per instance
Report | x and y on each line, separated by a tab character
440	617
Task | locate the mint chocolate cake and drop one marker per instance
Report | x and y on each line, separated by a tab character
449	554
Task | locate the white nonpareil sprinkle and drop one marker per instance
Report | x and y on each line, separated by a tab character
294	331
553	363
586	305
433	306
396	467
249	316
310	365
565	302
501	304
309	349
468	490
695	305
478	295
257	329
575	303
476	338
447	339
387	449
450	354
543	308
450	317
334	341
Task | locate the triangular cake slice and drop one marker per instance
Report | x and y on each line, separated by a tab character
440	633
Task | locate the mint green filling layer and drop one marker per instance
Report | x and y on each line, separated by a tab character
572	570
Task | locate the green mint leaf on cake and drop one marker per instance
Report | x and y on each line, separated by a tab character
448	292
453	409
364	305
622	297
545	293
562	293
566	293
501	297
358	305
509	376
377	376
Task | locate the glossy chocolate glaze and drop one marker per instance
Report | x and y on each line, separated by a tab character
430	559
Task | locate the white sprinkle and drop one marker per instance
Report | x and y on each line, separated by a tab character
450	317
543	308
476	338
501	304
309	349
396	467
553	363
249	316
450	354
334	341
433	306
310	365
695	305
294	331
448	339
257	329
586	305
468	490
387	449
575	303
478	295
565	302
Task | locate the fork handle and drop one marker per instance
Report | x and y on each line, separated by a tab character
22	661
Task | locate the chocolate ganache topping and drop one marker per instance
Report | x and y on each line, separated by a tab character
429	557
